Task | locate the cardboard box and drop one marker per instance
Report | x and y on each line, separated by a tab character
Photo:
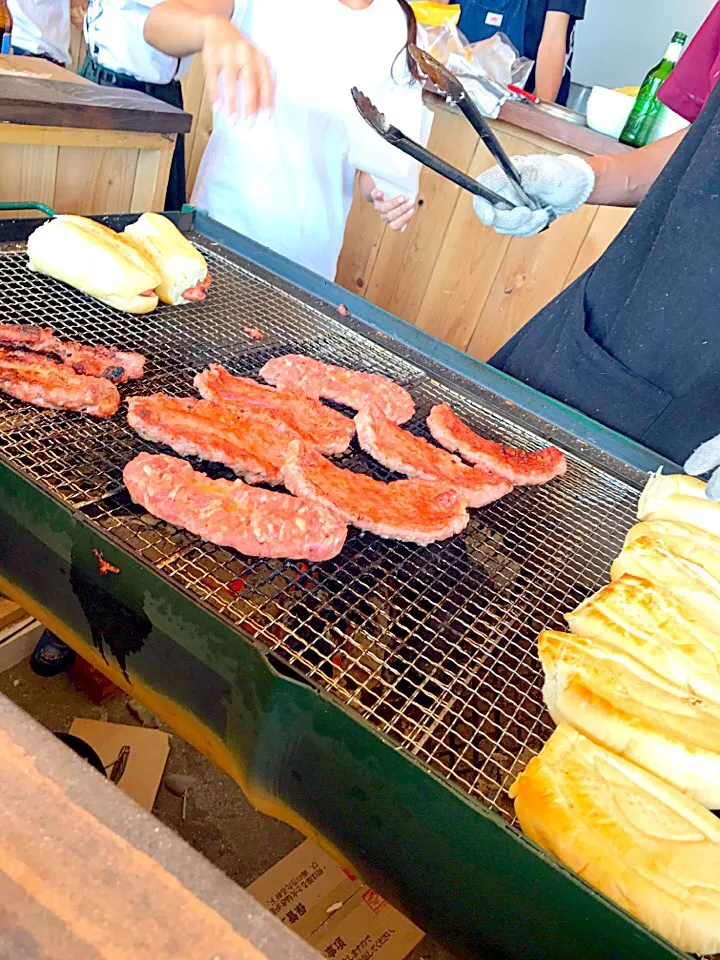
332	909
134	757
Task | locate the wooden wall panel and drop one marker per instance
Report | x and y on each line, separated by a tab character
203	124
364	234
151	179
77	49
411	255
28	173
193	85
95	181
198	104
85	171
606	225
468	262
534	270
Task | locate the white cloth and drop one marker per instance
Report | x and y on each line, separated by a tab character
42	26
704	460
562	183
114	36
286	179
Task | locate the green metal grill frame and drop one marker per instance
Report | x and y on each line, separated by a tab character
452	865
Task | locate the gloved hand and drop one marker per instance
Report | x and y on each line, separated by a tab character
562	183
704	459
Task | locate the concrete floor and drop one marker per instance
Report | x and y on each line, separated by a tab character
219	822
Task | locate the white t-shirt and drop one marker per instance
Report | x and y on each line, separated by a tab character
114	36
286	180
42	26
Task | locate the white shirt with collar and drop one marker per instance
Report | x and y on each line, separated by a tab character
114	36
42	26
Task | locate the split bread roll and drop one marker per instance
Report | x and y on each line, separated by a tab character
182	268
652	560
639	841
682	539
95	260
680	498
653	627
608	696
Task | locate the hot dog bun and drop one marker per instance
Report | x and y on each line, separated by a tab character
95	260
684	540
608	695
179	264
640	841
688	582
637	618
679	498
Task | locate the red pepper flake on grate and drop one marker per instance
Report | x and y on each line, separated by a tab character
103	565
237	585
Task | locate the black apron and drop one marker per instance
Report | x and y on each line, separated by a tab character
634	343
482	19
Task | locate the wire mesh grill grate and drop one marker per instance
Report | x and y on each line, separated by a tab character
436	646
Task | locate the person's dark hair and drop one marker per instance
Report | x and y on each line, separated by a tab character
411	37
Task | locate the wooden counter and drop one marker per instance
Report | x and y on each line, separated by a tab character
453	277
81	148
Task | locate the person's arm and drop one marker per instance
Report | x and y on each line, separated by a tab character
622	180
551	55
565	183
181	28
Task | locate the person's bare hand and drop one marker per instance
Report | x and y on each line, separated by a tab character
77	12
227	54
396	213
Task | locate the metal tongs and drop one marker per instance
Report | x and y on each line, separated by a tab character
456	94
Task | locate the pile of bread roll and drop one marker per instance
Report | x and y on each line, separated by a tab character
623	789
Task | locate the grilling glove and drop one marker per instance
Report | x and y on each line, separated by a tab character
562	183
704	459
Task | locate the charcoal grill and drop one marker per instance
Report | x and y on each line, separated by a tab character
384	701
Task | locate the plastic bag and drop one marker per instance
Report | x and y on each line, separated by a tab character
487	94
486	68
498	59
443	42
435	14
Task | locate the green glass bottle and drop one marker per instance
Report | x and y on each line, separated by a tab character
647	109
